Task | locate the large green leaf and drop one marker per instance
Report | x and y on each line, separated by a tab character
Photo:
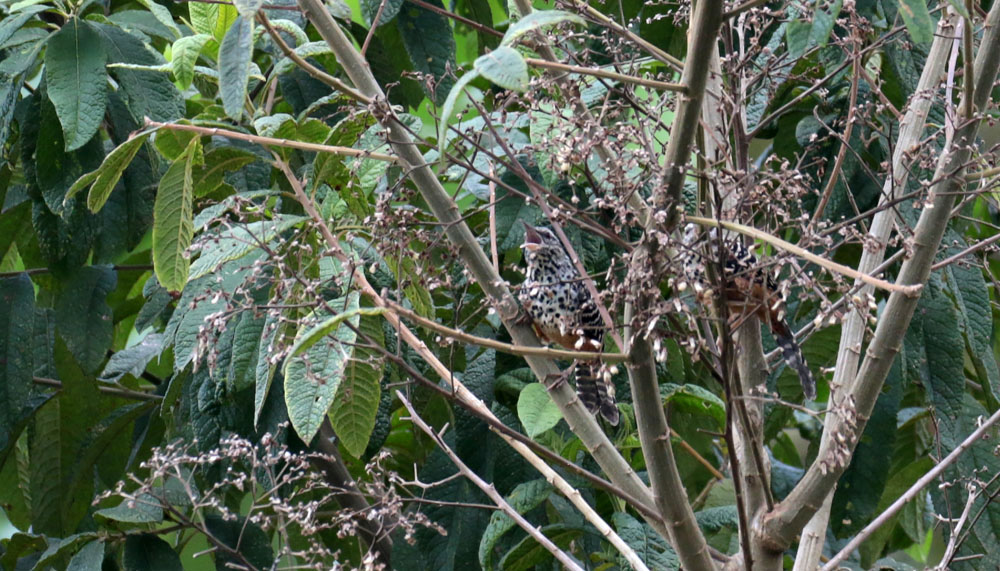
528	554
313	375
234	66
648	545
184	56
812	31
83	317
917	19
389	9
56	168
244	537
17	300
356	404
148	93
107	175
525	497
77	80
536	411
538	21
148	552
238	240
505	67
173	224
430	43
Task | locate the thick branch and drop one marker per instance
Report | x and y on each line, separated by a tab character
854	324
852	412
704	33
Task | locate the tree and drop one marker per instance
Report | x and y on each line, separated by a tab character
259	262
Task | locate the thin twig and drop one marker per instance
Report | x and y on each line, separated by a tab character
908	290
308	67
106	389
522	350
597	72
217	132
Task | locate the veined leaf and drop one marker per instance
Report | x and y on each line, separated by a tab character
313	371
505	67
536	21
234	66
536	410
356	404
917	19
108	174
173	225
77	80
184	56
238	241
525	497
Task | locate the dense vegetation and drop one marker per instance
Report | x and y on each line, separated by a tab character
259	263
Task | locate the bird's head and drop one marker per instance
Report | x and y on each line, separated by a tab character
540	240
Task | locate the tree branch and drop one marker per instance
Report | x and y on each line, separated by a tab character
848	416
437	198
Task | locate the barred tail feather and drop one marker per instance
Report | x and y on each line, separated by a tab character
792	353
594	393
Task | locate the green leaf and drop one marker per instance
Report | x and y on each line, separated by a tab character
246	344
234	66
17	300
59	550
248	8
803	35
55	168
536	411
148	93
313	371
218	162
647	544
184	56
89	558
162	15
356	404
173	225
264	372
528	554
239	240
77	80
918	20
20	545
148	552
145	509
83	317
306	50
537	21
242	536
505	67
430	42
305	341
897	484
525	497
108	174
370	9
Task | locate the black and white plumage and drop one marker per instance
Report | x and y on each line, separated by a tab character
563	311
750	290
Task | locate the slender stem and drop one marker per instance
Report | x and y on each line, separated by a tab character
501	346
308	67
912	290
597	72
217	132
108	390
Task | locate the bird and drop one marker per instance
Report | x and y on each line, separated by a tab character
562	311
748	290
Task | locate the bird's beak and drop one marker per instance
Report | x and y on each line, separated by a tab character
532	241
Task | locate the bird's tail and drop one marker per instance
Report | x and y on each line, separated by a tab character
792	353
595	392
